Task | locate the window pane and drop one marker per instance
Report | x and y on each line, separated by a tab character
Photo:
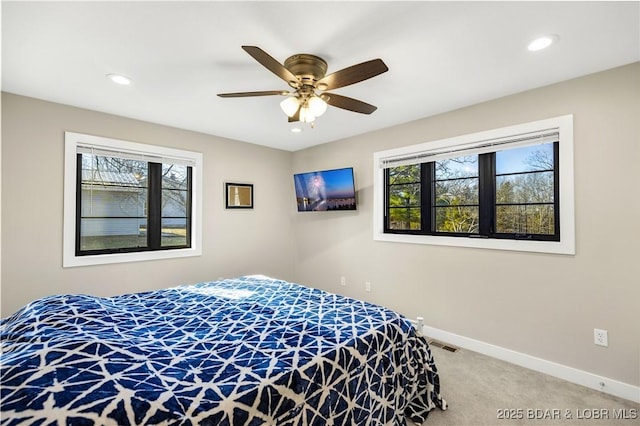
525	219
528	158
456	192
110	233
174	232
452	168
113	203
404	218
525	188
456	182
457	219
174	176
404	195
404	174
175	206
174	203
404	211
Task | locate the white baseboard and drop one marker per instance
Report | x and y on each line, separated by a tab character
570	374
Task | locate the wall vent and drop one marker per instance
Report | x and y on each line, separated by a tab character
441	345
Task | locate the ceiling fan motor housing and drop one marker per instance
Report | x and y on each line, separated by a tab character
308	68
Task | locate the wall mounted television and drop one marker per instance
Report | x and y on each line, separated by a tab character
325	190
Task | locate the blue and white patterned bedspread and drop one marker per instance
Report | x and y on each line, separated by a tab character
246	351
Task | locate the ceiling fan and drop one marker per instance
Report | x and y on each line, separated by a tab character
305	74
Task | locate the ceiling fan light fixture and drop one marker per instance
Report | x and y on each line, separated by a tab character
306	116
317	106
290	105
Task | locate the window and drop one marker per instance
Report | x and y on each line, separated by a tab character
517	201
509	188
126	201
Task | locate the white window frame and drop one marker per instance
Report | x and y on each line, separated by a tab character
476	141
75	140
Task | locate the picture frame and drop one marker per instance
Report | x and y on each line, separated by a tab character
238	195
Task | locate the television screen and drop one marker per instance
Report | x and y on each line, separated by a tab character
325	190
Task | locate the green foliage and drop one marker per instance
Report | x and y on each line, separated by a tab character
405	218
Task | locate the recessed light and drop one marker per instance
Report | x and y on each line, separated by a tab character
296	130
542	42
119	79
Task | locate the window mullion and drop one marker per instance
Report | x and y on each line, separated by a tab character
154	210
78	202
556	190
487	193
385	216
427	175
189	205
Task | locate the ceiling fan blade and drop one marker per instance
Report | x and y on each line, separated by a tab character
246	94
349	103
295	117
272	65
352	74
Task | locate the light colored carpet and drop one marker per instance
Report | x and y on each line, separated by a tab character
480	390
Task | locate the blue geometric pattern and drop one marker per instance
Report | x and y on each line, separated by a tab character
245	351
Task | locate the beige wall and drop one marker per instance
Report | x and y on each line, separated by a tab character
542	305
235	242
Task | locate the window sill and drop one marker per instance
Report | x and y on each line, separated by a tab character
482	243
103	259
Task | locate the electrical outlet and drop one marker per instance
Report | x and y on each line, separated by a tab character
600	337
367	286
343	280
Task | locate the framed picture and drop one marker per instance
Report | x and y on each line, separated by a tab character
239	195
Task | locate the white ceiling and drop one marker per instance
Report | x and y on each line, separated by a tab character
441	56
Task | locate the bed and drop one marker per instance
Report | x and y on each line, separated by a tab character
246	351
